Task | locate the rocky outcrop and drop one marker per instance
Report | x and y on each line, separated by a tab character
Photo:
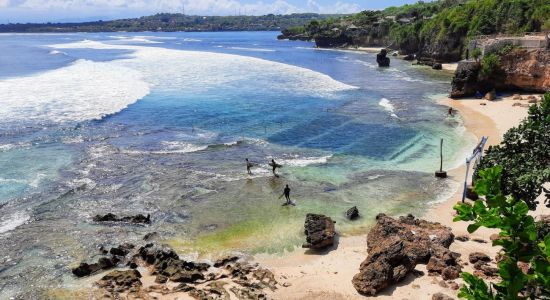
117	256
464	82
137	219
176	275
352	213
520	69
526	70
320	232
382	59
334	40
395	247
120	281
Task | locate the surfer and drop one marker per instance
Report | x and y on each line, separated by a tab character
274	167
248	167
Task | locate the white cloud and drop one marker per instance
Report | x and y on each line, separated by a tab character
4	3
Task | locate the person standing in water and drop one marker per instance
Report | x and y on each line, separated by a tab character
248	167
286	193
274	167
450	111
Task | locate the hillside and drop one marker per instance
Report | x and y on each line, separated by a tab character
176	22
437	30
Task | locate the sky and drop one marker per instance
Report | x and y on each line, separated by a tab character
23	11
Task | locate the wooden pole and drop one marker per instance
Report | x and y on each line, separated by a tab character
441	173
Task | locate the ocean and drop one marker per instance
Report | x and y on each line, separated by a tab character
161	124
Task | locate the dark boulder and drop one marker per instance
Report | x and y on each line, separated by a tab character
465	80
441	296
352	213
137	219
319	230
120	280
224	261
437	66
408	57
478	256
395	247
104	263
382	59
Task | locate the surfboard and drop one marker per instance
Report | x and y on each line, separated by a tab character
276	165
291	203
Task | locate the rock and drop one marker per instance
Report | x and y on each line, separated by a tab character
186	276
516	104
224	261
103	263
464	82
450	273
532	101
478	240
443	284
517	97
320	231
287	284
137	219
462	238
381	58
123	279
161	279
150	236
408	57
437	66
490	96
352	213
441	296
121	250
396	246
183	287
454	286
478	256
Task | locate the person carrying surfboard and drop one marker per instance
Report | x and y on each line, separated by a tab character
249	166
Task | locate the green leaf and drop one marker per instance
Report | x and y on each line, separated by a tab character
521	208
472	228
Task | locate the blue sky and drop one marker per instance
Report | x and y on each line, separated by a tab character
85	10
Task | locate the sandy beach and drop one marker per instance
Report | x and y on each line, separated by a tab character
328	275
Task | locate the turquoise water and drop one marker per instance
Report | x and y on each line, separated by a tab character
161	123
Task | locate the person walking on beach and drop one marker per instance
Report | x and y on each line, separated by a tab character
248	167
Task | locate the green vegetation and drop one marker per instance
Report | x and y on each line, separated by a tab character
518	238
490	65
510	178
476	53
524	155
176	22
447	24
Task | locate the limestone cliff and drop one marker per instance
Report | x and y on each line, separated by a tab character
520	69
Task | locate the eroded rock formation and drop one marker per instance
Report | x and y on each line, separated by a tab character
320	231
396	246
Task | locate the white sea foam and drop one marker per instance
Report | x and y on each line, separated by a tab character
195	71
81	91
191	40
54	52
135	39
179	147
388	106
298	161
9	223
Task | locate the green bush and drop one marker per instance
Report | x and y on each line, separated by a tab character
524	155
518	238
490	65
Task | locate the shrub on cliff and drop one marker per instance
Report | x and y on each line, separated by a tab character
490	65
518	238
524	155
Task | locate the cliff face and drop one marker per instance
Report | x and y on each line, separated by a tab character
527	70
520	69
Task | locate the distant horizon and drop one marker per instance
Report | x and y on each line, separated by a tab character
77	11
